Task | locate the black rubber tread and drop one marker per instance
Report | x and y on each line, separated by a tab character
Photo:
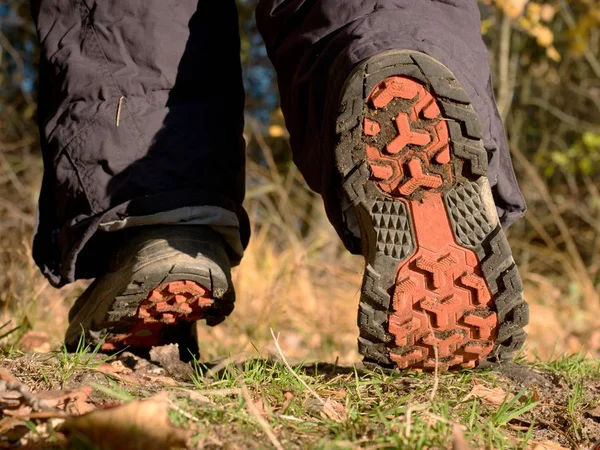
470	223
480	232
393	228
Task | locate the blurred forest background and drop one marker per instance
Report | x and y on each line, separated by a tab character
546	61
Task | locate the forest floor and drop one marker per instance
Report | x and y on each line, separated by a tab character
85	400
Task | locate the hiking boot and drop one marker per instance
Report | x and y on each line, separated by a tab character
160	281
440	287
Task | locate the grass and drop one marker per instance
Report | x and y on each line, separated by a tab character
376	409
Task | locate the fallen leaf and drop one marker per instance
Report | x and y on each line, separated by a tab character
35	341
594	413
545	445
335	411
262	408
199	398
5	375
115	367
118	371
168	381
494	396
73	401
11	431
288	399
458	439
134	425
79	402
327	409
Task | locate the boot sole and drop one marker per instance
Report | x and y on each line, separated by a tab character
168	305
441	288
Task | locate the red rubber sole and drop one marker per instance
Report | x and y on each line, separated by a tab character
441	302
165	306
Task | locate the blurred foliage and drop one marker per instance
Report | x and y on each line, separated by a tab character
545	60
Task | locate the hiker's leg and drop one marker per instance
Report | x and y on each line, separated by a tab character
398	144
315	45
140	113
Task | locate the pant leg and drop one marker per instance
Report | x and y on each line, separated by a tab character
140	113
315	44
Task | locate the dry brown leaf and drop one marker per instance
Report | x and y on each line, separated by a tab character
494	396
334	411
119	371
262	408
79	402
327	409
115	367
594	413
288	399
12	430
167	381
199	398
545	445
35	341
73	401
138	424
7	424
458	439
5	375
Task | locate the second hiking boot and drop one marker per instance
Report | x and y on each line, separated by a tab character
161	280
440	287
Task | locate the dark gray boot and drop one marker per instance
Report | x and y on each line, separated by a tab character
160	281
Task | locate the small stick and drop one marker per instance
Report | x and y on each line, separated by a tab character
119	109
182	412
436	373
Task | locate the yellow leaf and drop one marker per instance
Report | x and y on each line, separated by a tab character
276	131
534	12
543	35
547	13
553	53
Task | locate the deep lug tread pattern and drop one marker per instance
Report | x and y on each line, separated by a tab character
165	307
440	288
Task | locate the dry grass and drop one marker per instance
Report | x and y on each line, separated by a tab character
301	283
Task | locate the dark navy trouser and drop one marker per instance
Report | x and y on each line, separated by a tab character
141	108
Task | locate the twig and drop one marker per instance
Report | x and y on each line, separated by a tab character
182	412
253	410
118	121
436	374
330	411
504	90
